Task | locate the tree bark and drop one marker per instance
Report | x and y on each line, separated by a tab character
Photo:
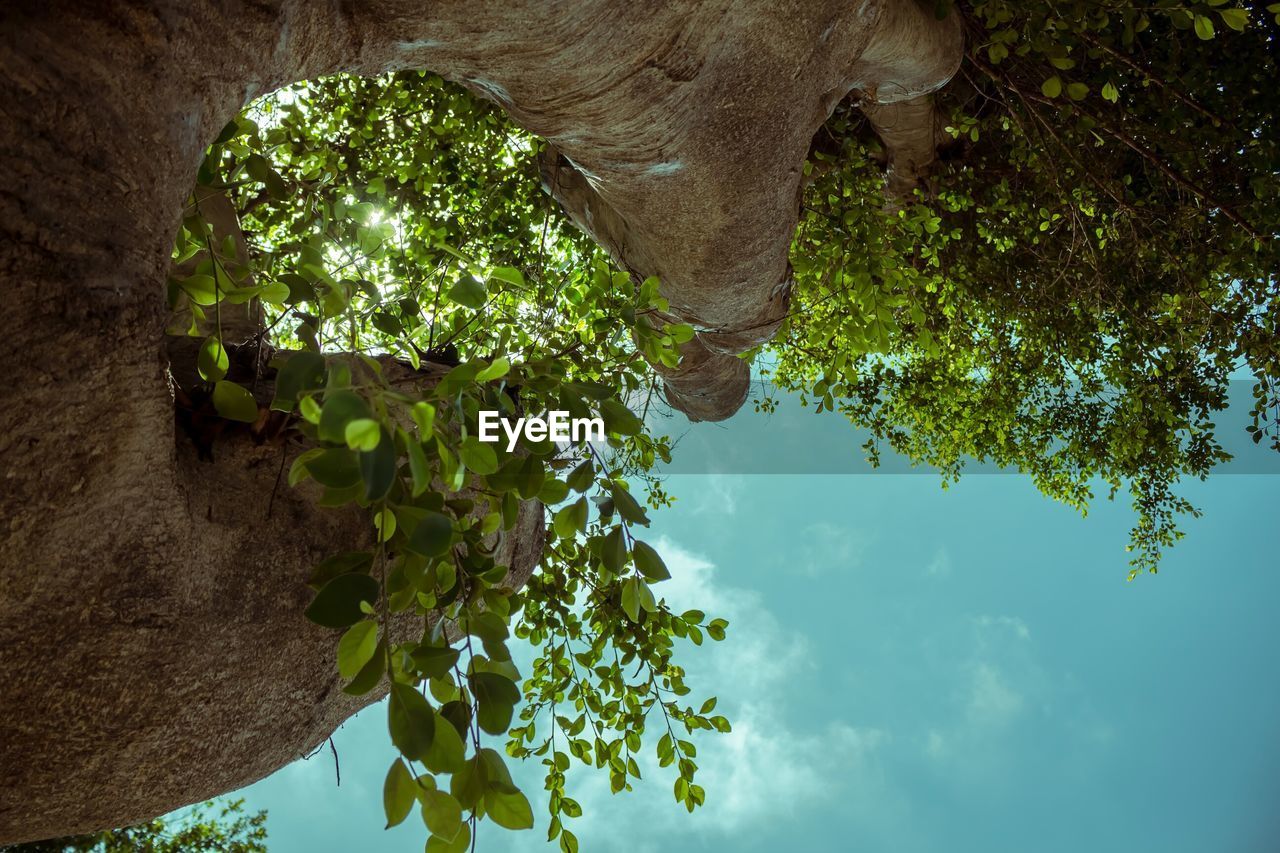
151	637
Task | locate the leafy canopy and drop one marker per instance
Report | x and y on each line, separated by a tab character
205	828
1068	296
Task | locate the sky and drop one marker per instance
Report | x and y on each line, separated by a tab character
912	669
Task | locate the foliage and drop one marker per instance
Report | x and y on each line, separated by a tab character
405	254
1037	305
197	831
1087	270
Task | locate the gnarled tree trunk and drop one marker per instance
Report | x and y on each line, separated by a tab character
151	640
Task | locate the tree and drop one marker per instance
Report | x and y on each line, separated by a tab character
198	831
983	268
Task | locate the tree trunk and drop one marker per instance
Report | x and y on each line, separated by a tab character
151	636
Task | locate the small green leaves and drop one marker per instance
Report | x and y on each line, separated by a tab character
1110	92
411	721
356	648
337	604
212	361
1052	87
637	598
496	698
234	402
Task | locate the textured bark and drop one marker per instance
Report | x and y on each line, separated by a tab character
151	641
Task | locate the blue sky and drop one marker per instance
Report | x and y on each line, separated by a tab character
912	669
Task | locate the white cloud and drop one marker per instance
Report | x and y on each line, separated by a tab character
940	565
715	494
992	700
1011	624
765	769
830	548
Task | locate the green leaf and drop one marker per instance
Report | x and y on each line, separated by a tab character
570	520
1110	92
399	791
275	293
378	467
510	811
1077	91
234	402
212	361
496	370
631	598
200	289
649	562
419	468
356	648
469	291
447	753
336	468
510	275
627	506
619	419
435	661
1236	19
337	604
478	456
581	478
411	720
301	372
341	408
1204	27
442	814
460	844
467	783
614	550
340	564
371	674
432	536
362	434
1052	87
424	415
496	698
